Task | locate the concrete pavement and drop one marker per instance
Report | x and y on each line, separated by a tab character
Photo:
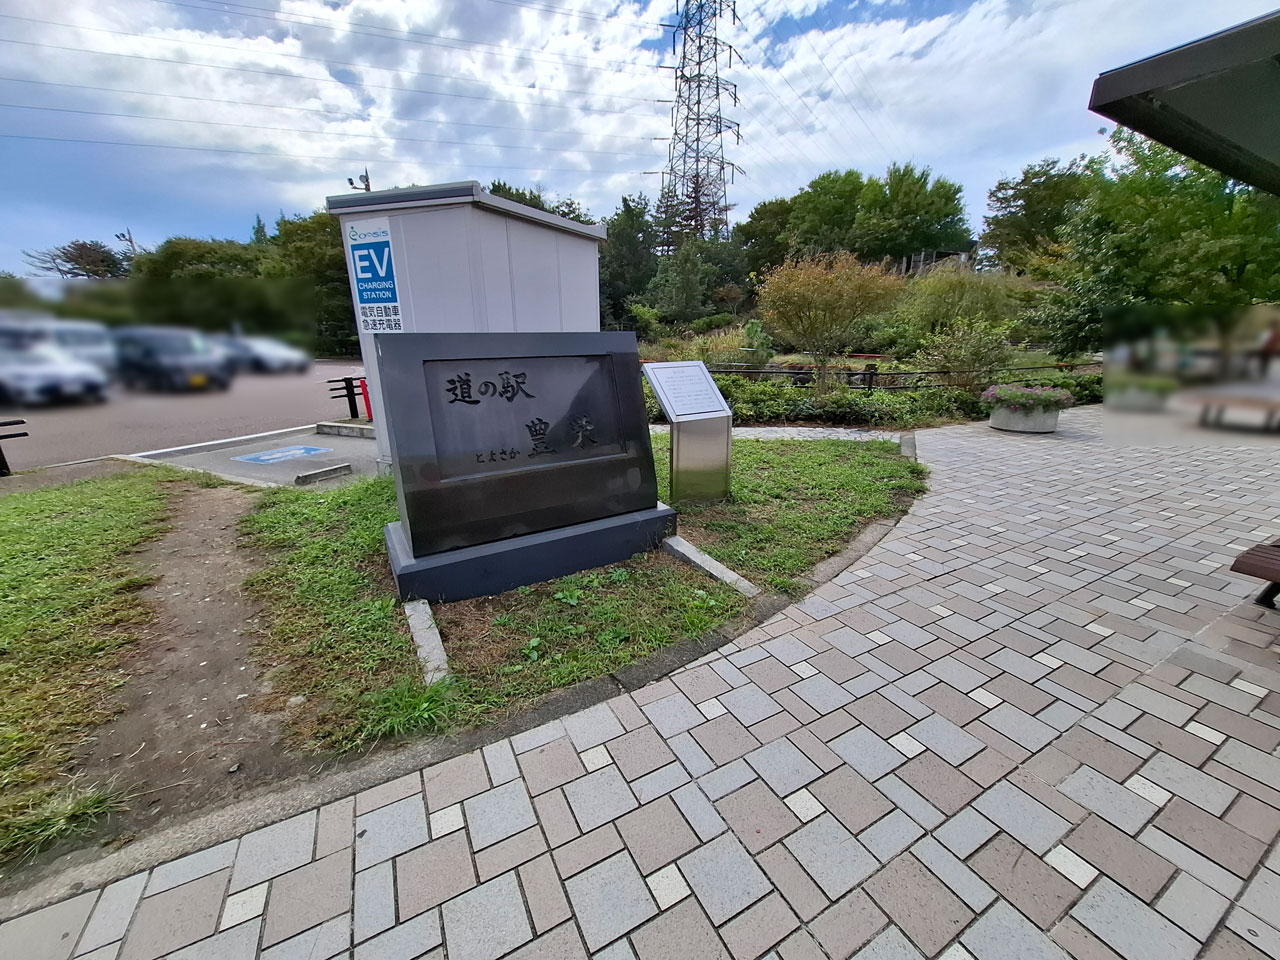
134	421
1039	719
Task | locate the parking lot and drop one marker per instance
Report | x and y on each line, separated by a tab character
131	422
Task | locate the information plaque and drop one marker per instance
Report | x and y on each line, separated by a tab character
701	429
685	390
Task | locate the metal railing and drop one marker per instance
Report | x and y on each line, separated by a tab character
4	464
349	389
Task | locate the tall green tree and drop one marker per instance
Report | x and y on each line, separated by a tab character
628	256
1028	210
307	250
90	259
822	214
763	235
907	211
1161	231
681	287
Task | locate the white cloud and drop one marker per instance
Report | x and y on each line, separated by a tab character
974	94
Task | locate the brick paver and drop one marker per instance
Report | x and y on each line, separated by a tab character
1037	720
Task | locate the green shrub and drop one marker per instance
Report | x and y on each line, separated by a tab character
1084	387
1016	396
644	320
764	401
714	322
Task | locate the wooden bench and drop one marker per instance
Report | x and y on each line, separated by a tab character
1263	562
1214	406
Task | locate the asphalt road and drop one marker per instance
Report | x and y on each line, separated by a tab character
133	422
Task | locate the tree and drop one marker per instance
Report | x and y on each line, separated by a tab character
908	211
1161	231
1029	210
568	207
188	258
307	250
822	214
969	350
80	258
259	230
819	304
681	286
763	235
628	258
951	291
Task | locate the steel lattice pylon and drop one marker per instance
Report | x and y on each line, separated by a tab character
694	183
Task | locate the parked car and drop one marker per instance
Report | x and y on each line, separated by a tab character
235	353
265	355
170	358
38	372
85	340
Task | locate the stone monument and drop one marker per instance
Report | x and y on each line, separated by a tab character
517	458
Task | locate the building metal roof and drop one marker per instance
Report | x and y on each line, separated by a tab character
1216	99
444	194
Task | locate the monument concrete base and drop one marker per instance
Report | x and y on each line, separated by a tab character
489	568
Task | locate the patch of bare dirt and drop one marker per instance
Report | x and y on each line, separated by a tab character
189	736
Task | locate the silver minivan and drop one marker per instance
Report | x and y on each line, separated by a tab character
85	340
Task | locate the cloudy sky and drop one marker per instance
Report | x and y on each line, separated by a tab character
191	116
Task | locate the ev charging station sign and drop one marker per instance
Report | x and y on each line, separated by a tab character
373	273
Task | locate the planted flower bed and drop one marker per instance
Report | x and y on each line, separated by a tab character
1020	409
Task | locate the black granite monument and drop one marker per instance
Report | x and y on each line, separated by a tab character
517	458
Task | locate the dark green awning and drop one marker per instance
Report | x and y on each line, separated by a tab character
1216	99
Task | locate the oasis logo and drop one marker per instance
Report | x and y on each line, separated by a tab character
355	235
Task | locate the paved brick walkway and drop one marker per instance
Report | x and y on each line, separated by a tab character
1035	721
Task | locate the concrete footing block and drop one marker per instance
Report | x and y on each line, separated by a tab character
324	473
680	547
426	637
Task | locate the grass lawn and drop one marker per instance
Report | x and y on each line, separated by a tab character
336	635
68	605
795	502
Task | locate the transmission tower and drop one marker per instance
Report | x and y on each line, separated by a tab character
693	185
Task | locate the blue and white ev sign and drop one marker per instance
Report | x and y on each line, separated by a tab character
371	264
373	276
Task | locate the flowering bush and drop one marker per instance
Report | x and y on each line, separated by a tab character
1015	397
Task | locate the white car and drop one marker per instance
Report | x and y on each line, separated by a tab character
40	372
264	355
85	340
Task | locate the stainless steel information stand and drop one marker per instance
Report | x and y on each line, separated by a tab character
701	429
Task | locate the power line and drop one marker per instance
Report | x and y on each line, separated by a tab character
892	126
325	60
294	76
331	113
299	156
406	36
569	11
323	133
833	160
773	31
847	100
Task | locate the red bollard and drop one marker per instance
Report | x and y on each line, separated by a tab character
364	392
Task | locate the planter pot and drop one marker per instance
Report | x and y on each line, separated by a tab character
1024	421
1136	400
